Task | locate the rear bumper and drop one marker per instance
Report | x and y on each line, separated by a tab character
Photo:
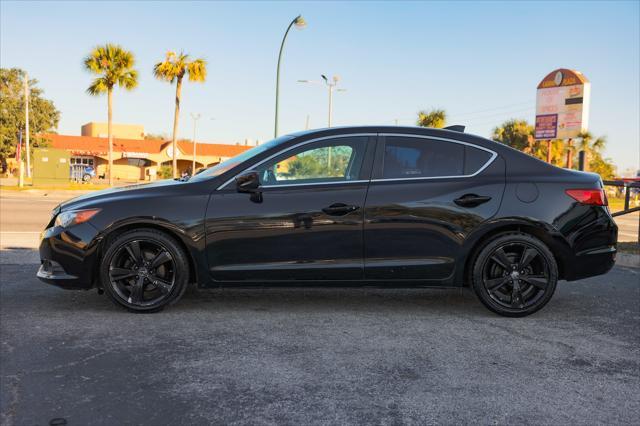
594	247
593	262
68	257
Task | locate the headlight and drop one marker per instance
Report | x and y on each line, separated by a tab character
74	217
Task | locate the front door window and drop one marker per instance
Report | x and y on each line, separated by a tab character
325	161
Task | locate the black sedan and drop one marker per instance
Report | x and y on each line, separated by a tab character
381	206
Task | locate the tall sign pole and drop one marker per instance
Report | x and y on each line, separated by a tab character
26	122
562	109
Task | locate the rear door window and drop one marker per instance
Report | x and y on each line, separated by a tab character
414	157
474	159
407	157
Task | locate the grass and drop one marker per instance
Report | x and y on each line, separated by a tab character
617	204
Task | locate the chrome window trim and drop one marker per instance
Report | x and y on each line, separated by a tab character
294	147
342	182
480	170
494	155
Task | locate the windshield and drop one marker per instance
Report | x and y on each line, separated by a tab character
229	164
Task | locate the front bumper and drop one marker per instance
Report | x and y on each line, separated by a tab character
68	257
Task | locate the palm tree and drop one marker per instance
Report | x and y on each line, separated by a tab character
435	118
516	133
174	68
115	67
590	146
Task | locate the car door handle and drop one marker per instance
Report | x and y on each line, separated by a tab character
471	200
339	209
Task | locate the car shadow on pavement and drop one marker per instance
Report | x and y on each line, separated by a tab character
19	269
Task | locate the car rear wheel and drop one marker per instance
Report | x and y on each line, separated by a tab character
144	270
514	275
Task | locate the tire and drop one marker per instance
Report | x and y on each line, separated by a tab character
514	274
86	178
144	270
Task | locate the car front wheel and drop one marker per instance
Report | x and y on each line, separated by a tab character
514	274
144	270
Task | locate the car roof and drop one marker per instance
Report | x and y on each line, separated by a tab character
519	162
409	130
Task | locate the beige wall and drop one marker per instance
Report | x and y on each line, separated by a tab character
123	131
122	170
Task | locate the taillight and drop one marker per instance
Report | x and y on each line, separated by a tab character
593	197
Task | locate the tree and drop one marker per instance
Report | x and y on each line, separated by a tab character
115	67
174	68
156	136
435	118
43	115
602	166
306	167
590	146
517	134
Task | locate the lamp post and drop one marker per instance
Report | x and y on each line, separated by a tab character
299	22
331	84
26	123
195	118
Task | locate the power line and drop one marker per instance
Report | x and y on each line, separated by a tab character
498	114
461	115
493	109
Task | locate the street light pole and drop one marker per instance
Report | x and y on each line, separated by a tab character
330	104
299	22
331	84
195	118
26	122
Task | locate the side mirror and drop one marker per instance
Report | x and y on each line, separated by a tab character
248	182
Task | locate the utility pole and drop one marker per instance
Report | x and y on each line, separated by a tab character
331	84
306	124
26	122
195	118
20	163
330	106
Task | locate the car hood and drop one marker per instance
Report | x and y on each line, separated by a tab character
113	193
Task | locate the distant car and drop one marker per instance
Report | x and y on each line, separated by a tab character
382	206
88	173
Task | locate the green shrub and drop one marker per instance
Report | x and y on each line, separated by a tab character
165	172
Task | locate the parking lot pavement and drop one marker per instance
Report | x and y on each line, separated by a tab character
319	356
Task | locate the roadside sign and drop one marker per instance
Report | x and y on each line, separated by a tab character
562	105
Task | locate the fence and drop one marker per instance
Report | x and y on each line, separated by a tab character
628	186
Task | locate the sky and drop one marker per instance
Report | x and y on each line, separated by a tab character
480	61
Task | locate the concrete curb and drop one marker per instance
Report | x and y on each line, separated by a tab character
629	260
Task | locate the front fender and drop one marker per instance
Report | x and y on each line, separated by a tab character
192	239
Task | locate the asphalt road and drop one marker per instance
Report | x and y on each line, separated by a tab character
319	356
309	356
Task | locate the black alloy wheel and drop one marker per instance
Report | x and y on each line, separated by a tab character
144	270
515	275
